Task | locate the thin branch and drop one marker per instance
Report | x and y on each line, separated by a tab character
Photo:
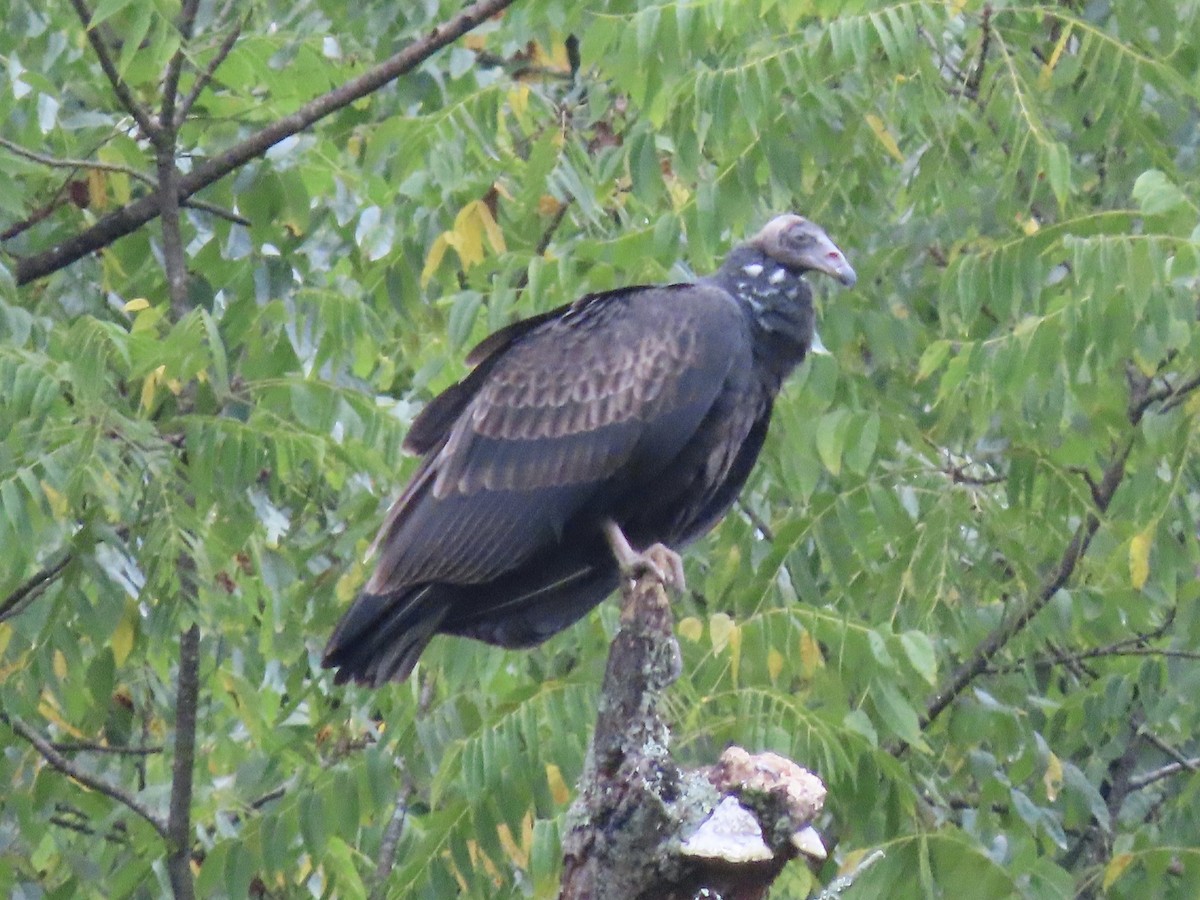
140	114
33	587
117	749
72	771
205	77
128	219
959	475
976	77
391	839
1179	393
220	212
980	659
1138	782
1060	659
760	524
170	89
115	836
56	162
1169	750
179	819
119	168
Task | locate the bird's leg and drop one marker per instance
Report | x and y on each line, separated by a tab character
665	563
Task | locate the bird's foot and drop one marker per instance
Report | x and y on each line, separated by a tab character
659	560
666	564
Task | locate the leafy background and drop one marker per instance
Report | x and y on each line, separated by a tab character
961	584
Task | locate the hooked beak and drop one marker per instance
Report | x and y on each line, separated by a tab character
826	257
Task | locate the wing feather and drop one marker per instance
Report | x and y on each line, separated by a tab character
581	406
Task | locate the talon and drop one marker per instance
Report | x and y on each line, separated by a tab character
664	563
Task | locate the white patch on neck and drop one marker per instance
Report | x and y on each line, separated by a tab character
777	276
753	270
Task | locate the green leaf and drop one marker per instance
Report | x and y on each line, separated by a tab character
919	651
830	439
1155	193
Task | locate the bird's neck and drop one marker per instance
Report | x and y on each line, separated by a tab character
777	303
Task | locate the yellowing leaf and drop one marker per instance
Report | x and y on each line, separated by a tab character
466	237
1031	226
885	136
1139	558
1116	866
774	663
347	585
150	387
97	189
559	792
811	658
1055	56
690	628
60	665
434	259
518	100
1052	778
48	707
138	303
6	634
720	629
517	853
122	638
547	205
58	503
495	236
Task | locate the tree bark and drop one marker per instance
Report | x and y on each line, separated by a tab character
643	826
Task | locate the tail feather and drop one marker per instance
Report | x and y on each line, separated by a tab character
381	636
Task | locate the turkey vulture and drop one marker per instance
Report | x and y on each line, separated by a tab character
625	419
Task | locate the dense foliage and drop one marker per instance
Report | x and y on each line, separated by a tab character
962	582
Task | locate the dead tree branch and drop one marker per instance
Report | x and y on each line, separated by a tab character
644	827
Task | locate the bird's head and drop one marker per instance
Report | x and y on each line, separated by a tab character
803	246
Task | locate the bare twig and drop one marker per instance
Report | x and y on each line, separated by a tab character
205	77
72	771
179	827
958	475
131	217
975	79
1170	751
116	749
140	114
33	587
119	168
842	883
980	659
391	839
760	524
1138	782
113	836
1179	393
56	162
170	90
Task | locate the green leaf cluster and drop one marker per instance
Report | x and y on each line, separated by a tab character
1019	190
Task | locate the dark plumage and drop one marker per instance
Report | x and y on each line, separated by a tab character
643	408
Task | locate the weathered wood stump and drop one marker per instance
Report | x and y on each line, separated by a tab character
644	827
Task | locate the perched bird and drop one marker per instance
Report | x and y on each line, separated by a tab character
625	419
